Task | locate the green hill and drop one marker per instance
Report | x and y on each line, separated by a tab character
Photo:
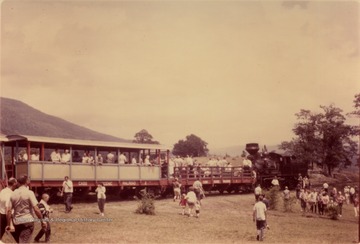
17	117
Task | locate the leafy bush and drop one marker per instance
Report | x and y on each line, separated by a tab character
289	204
146	203
333	212
273	196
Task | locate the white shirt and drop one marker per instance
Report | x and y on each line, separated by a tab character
133	161
189	161
4	199
122	159
258	190
68	186
325	185
85	159
35	157
65	157
352	191
191	197
23	201
25	157
100	190
147	160
110	158
99	159
197	185
55	157
275	182
260	209
247	162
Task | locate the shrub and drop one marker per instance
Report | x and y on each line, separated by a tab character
289	204
333	211
273	196
146	203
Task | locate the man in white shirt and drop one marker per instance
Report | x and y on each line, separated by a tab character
133	160
110	158
35	156
55	156
65	158
275	182
67	191
189	161
147	161
122	159
99	159
326	187
257	192
247	163
4	199
259	216
24	204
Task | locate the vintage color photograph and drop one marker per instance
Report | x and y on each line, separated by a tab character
179	121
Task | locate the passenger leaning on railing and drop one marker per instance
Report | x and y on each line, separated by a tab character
35	156
65	157
55	156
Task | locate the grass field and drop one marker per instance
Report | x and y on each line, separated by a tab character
224	219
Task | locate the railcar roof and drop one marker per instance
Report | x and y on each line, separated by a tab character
78	142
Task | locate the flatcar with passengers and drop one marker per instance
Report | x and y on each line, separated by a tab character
132	167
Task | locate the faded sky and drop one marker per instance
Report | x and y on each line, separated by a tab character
229	72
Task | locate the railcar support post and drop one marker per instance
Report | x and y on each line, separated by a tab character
42	153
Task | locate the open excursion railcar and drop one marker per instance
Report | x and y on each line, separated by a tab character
123	179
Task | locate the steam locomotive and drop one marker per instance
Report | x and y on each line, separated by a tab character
267	165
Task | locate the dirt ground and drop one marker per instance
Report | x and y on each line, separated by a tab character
224	219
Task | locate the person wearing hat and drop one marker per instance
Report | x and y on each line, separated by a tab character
177	190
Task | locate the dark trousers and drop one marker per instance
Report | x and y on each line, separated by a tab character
3	224
47	233
23	232
68	201
101	203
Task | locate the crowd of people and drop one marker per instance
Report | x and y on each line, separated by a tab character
318	200
20	210
190	200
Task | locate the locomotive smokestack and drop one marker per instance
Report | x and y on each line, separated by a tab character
252	148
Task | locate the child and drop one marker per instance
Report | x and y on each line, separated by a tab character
101	197
45	211
183	203
197	208
191	200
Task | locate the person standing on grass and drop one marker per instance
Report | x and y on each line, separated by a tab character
259	216
101	197
191	200
320	203
67	191
347	194
340	199
24	204
183	203
326	187
45	211
4	199
303	199
325	202
177	189
199	190
356	205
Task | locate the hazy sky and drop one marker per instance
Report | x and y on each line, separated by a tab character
229	72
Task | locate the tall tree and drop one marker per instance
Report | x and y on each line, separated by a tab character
323	138
192	145
144	137
356	113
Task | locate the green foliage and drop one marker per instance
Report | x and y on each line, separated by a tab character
323	138
192	145
273	196
333	212
146	204
144	137
289	204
